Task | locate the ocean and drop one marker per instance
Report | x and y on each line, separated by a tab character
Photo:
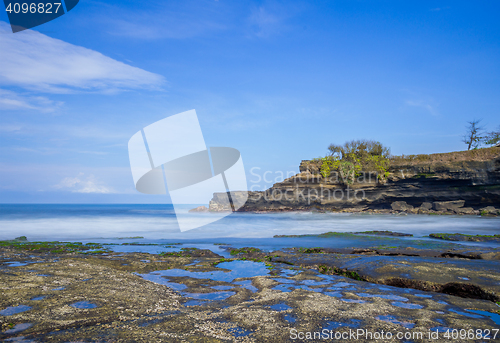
157	224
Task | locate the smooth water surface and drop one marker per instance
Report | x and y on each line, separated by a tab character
157	223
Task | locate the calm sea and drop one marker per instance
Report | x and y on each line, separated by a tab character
157	223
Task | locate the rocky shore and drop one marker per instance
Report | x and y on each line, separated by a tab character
466	183
60	292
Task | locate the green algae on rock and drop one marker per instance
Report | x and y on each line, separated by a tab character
465	238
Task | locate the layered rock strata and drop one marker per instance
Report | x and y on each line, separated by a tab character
454	183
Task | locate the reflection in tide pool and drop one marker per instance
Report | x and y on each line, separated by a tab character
280	307
247	284
9	311
18	328
209	296
407	305
394	320
494	316
83	304
236	269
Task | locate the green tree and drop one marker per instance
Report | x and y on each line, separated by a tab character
354	157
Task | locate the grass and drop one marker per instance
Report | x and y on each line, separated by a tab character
456	156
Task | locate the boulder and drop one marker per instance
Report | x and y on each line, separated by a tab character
465	210
448	205
426	206
489	210
401	206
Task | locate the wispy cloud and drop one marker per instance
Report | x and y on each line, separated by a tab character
264	23
436	9
82	184
10	100
10	128
166	20
432	109
272	18
35	61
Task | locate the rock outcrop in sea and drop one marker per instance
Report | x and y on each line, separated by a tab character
466	182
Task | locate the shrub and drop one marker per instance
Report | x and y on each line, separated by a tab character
355	157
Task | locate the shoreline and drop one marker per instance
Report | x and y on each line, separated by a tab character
93	293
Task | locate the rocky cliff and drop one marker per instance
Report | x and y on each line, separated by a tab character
461	182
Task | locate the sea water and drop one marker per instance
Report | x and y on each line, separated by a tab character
157	224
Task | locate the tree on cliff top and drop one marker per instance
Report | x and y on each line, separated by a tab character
354	157
493	137
473	135
360	148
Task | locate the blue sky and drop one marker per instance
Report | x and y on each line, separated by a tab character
279	81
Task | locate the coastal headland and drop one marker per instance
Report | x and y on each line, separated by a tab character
465	182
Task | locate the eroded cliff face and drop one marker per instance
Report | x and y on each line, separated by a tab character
463	182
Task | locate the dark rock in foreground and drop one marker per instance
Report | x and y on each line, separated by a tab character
137	297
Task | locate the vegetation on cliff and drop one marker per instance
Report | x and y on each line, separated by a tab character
475	135
484	154
353	158
350	162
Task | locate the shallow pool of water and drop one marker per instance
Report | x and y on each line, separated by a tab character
209	296
9	311
239	332
494	316
84	304
280	307
383	296
407	305
394	320
18	328
233	270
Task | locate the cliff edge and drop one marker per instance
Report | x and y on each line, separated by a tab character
465	182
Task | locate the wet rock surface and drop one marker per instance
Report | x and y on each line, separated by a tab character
254	296
465	238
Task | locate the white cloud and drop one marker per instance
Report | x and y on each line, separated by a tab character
10	100
82	184
37	62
